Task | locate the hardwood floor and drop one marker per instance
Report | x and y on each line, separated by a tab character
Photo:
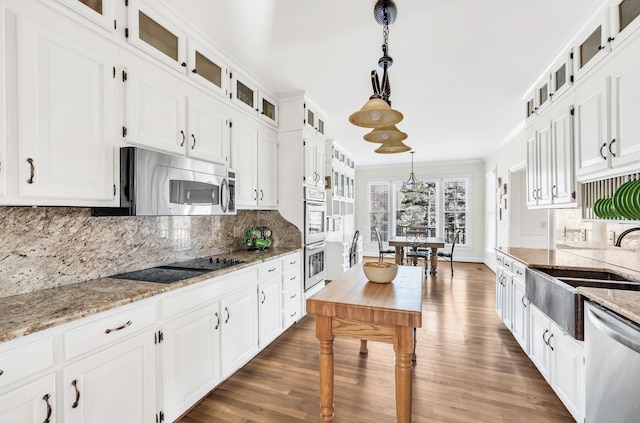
469	369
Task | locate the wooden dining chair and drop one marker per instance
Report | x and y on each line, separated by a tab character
415	252
381	250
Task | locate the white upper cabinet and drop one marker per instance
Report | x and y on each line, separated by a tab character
624	22
207	69
155	110
248	97
208	125
102	12
563	186
314	119
561	76
592	44
156	35
65	112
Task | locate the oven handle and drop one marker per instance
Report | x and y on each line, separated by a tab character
224	195
316	247
313	203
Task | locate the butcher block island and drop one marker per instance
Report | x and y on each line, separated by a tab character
353	306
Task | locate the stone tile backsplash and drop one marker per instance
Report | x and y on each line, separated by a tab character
46	247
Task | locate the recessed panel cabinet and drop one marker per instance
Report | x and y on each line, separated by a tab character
31	403
239	329
270	308
65	113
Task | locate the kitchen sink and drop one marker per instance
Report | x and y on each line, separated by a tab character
554	292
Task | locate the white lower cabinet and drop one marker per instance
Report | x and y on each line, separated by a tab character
520	313
560	359
117	384
190	359
34	402
269	296
239	329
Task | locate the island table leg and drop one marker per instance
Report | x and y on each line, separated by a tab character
324	333
403	346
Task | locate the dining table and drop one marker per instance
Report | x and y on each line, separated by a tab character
402	242
352	306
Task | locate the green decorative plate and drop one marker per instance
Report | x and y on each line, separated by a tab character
621	199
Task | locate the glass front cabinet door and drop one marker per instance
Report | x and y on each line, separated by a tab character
151	32
101	12
624	20
591	46
246	94
207	69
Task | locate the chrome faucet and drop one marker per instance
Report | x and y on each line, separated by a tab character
625	233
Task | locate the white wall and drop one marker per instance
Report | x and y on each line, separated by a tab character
473	170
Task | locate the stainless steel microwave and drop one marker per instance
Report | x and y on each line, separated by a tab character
159	184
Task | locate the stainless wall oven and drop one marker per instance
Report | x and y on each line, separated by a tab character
315	209
314	264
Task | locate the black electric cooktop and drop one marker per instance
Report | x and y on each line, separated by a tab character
177	272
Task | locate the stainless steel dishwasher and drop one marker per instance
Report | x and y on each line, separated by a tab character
612	353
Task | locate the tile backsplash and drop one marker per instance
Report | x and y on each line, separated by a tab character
46	247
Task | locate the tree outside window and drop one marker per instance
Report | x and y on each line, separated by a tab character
417	209
379	210
455	210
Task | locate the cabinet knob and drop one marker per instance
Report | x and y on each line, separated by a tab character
194	71
183	64
611	39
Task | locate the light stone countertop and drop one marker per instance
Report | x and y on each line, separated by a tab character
624	302
24	314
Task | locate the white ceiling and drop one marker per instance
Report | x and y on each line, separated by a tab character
461	67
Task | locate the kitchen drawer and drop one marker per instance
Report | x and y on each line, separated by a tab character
291	261
187	299
108	330
289	316
20	362
290	279
500	259
518	270
508	263
269	269
291	297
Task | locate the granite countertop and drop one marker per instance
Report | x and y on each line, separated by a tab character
36	311
624	302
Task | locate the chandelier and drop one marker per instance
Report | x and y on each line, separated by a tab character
377	112
412	184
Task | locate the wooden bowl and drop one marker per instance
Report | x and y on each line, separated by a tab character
380	272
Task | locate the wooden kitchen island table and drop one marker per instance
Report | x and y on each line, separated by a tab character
354	307
400	242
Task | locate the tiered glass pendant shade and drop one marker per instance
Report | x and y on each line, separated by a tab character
392	148
376	113
386	134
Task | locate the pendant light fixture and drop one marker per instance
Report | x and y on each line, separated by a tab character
377	112
412	184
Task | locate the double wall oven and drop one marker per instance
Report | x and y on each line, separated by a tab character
315	207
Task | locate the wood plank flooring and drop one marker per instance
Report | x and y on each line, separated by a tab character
469	369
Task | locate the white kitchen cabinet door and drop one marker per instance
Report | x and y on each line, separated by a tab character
520	321
539	332
625	106
562	179
533	167
567	371
208	130
270	306
239	313
156	115
114	385
314	161
102	12
544	158
34	402
206	68
500	291
592	124
244	159
190	359
267	168
65	112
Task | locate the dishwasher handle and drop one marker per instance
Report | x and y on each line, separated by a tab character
614	329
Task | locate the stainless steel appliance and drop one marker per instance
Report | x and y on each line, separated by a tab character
612	354
315	209
158	184
314	264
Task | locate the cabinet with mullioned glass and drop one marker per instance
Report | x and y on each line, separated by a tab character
253	100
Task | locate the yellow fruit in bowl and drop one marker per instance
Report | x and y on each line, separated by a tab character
380	272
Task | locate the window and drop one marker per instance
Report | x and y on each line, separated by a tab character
443	208
379	210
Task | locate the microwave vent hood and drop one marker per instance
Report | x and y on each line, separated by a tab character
159	184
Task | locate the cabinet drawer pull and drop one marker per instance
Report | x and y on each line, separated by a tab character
228	315
293	262
32	170
601	147
293	296
119	327
217	320
75	386
610	144
271	270
194	141
264	298
292	278
293	314
46	400
184	138
261	195
549	342
543	338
